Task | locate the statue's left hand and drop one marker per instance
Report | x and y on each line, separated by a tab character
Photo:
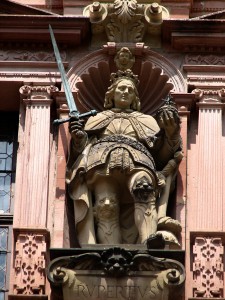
169	122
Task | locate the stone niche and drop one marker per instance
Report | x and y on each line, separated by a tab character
116	273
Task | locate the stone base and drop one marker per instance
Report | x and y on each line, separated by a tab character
116	272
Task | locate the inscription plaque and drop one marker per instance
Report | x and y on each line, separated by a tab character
94	285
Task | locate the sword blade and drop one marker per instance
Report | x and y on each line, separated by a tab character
69	96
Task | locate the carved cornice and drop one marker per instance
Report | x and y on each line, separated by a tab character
194	35
206	77
34	29
39	73
11	7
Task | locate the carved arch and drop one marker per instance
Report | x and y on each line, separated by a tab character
90	78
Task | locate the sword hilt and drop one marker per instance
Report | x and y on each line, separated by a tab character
92	112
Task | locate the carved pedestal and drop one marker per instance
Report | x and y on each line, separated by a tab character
116	273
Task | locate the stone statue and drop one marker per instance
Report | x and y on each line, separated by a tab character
121	168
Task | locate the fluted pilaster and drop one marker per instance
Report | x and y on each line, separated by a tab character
209	172
33	165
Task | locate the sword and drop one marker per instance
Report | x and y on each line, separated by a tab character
74	113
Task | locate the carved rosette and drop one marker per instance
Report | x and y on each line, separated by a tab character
208	267
30	263
116	273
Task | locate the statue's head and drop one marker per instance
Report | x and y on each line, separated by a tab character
124	59
123	92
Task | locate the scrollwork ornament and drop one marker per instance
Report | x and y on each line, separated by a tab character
52	89
25	90
173	276
59	276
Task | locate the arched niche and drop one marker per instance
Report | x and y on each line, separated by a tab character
90	78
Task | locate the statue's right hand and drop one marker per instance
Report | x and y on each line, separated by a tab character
76	129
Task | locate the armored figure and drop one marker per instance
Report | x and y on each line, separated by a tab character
121	168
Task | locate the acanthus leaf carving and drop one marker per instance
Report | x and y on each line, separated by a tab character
125	9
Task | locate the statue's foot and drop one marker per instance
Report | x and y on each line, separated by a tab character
162	240
169	224
155	241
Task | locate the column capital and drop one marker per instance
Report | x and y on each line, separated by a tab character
37	95
210	98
